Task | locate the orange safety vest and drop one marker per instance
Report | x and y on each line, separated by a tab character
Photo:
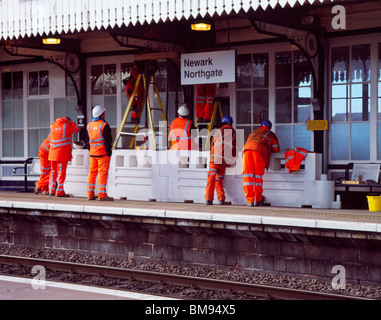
96	140
205	94
45	146
60	139
294	158
263	141
223	150
180	134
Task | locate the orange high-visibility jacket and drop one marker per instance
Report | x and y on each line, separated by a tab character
45	146
60	139
294	158
223	150
263	141
96	139
205	94
180	134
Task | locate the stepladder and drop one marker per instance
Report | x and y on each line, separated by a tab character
145	103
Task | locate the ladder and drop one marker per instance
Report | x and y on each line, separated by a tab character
141	77
217	105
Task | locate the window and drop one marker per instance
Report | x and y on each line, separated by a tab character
252	90
350	102
293	94
38	83
12	114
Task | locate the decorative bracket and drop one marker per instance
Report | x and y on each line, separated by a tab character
67	61
306	41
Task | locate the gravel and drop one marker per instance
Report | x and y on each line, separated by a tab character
222	273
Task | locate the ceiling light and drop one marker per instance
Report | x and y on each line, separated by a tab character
201	26
51	40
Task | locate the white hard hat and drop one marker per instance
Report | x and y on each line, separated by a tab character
98	110
183	110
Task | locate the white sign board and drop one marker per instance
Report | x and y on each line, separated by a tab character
208	67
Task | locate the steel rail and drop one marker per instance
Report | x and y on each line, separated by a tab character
260	290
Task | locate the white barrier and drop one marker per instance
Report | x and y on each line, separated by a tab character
176	176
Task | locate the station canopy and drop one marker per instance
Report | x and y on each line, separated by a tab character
31	18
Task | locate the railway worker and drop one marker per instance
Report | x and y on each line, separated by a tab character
61	132
256	157
139	95
205	94
100	140
222	155
43	154
179	137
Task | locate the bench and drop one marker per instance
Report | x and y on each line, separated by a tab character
31	168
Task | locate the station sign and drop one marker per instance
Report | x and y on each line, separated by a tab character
208	67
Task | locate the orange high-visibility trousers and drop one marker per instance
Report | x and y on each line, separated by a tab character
99	166
215	181
57	177
45	167
253	171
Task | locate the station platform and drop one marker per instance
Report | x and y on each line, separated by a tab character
272	239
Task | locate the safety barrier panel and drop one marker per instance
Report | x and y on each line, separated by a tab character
178	176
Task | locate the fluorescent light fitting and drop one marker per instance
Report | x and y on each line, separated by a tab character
201	26
51	40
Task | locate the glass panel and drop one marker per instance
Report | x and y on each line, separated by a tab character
18	120
302	70
44	113
302	137
7	114
302	104
284	134
70	88
95	100
339	110
43	134
246	129
33	113
125	70
44	82
340	65
33	83
33	142
6	84
340	141
360	107
261	105
360	69
7	143
59	108
244	107
379	140
161	77
360	140
283	69
96	79
283	105
244	71
260	70
70	108
19	143
110	106
110	79
18	85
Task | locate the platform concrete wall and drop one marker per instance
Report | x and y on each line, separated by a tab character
279	249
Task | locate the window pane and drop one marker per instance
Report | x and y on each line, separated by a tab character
7	143
44	82
340	65
96	79
243	71
110	106
302	104
339	110
302	137
70	88
18	85
283	105
109	79
18	120
19	143
44	113
360	140
283	69
6	84
33	113
302	70
33	142
7	114
360	69
260	70
244	107
59	108
284	134
33	83
70	108
340	141
261	105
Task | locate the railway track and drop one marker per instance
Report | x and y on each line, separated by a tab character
265	291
